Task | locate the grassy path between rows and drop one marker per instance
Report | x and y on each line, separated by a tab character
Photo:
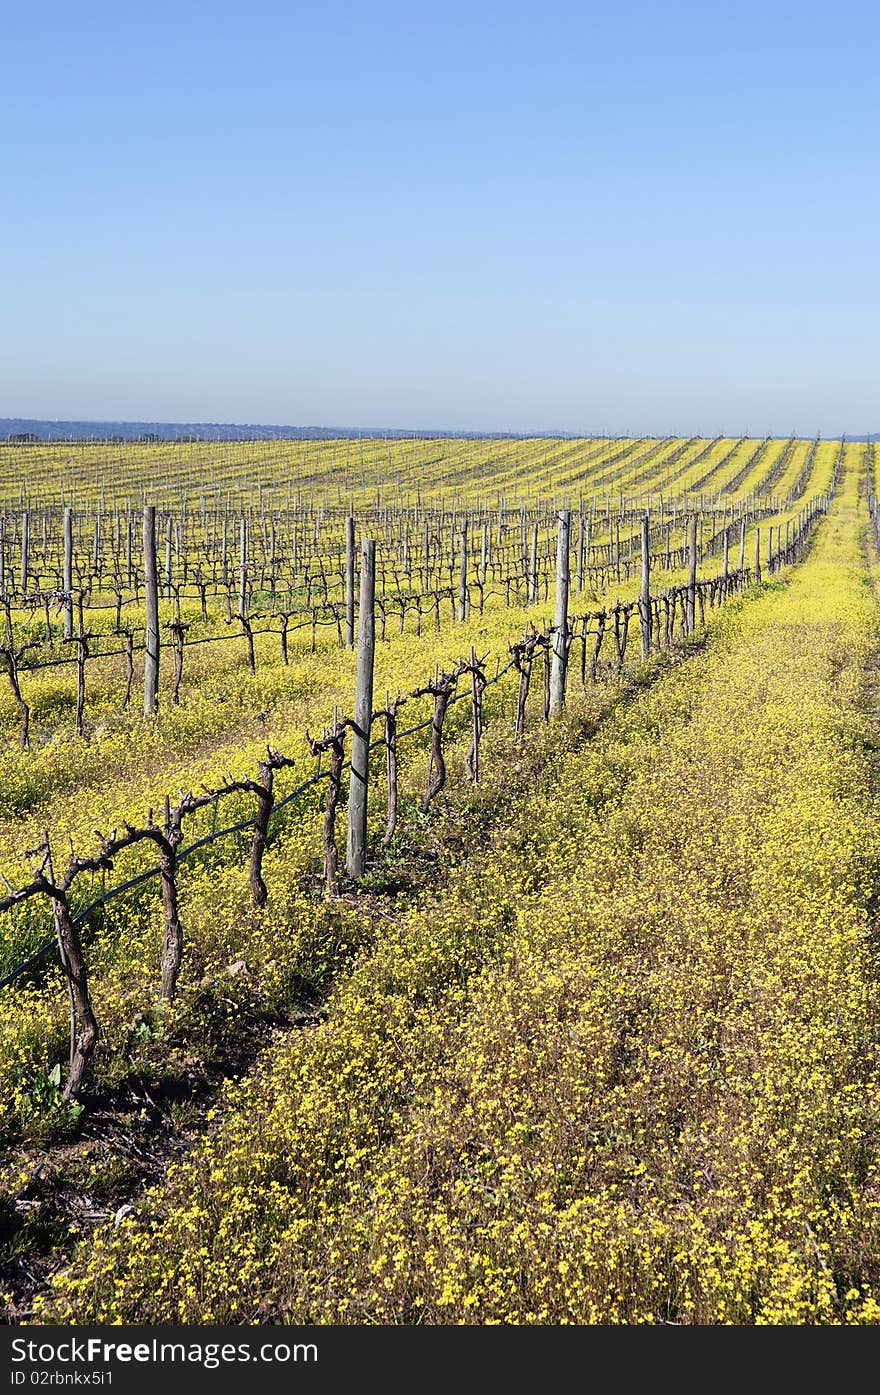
624	1067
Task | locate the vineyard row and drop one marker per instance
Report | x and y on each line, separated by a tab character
660	617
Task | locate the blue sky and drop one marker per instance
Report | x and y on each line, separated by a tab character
593	217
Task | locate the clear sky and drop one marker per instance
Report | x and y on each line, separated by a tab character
587	217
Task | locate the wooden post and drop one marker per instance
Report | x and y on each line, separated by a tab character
169	532
742	546
462	574
533	567
692	574
560	615
242	569
355	860
523	542
645	597
580	553
757	554
25	549
151	606
724	562
67	576
349	582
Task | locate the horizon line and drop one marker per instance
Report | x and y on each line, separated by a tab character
21	425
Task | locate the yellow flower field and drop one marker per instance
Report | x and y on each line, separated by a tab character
612	1060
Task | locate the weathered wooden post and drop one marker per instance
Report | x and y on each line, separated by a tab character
355	860
725	567
272	561
533	567
67	576
757	554
349	581
462	574
151	606
560	615
742	547
169	533
692	574
242	568
523	541
129	552
580	553
645	597
25	550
